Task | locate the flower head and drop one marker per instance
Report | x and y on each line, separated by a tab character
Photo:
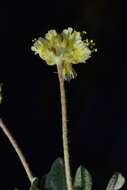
66	48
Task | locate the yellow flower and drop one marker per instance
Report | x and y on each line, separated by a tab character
66	48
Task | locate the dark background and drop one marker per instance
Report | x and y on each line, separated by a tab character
96	98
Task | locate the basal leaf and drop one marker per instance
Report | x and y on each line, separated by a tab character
116	182
83	179
55	179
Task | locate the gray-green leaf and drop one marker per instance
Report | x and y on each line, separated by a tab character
55	179
34	184
83	179
116	182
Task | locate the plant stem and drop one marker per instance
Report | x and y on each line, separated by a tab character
64	128
17	149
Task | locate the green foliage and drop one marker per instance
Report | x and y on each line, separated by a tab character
34	184
83	179
55	179
116	182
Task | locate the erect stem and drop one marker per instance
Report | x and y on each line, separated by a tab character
17	149
64	128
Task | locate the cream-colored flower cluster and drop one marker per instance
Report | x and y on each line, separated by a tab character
66	48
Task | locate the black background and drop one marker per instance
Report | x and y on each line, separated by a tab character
96	98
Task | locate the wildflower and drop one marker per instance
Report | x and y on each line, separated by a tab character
66	48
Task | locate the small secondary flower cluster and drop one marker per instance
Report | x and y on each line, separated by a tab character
66	48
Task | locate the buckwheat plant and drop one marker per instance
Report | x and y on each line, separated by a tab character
63	50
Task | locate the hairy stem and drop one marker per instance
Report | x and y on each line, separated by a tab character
17	149
64	129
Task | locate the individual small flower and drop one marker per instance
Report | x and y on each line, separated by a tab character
66	48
